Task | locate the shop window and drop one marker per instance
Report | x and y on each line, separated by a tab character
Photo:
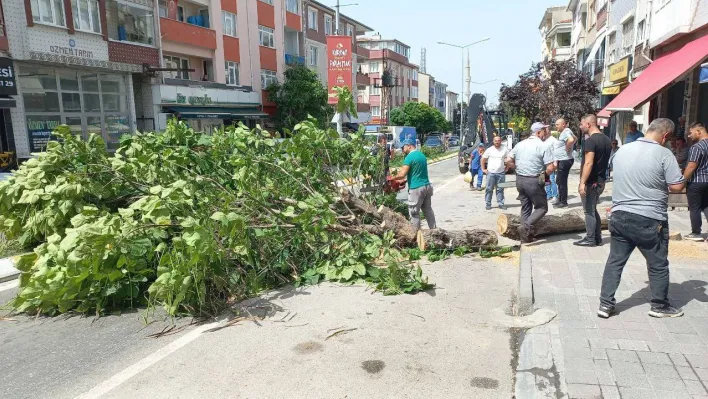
41	102
86	16
130	22
71	101
75	124
48	12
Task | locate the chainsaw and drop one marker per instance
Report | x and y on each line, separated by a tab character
390	186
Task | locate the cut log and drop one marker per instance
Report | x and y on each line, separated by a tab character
568	222
452	239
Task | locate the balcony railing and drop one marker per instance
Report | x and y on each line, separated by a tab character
181	32
363	52
292	59
362	79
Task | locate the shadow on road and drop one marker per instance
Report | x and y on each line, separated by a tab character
680	294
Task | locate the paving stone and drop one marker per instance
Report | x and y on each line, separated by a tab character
679	325
654	358
637	325
672	395
664	347
629	374
599	353
613	323
702	374
610	392
580	376
698	361
643	335
580	391
604	343
632	344
667	384
622	356
687	349
580	342
571	352
695	388
687	373
689	339
636	393
613	334
577	323
679	360
660	371
604	373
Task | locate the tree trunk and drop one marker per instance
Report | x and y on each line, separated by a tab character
452	239
568	222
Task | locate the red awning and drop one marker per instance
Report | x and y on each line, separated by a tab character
658	75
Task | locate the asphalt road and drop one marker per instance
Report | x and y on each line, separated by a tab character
442	343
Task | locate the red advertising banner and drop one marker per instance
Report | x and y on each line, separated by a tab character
339	64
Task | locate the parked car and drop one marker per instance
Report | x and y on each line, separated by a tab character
433	142
454	141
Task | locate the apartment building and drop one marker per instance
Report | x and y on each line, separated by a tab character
320	23
440	97
391	56
556	27
451	99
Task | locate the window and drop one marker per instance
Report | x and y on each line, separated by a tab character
177	62
612	47
134	23
229	24
563	39
374	91
328	24
350	30
292	6
375	111
374	67
164	13
312	19
314	55
232	73
267	78
268	1
640	32
266	36
86	15
48	12
628	37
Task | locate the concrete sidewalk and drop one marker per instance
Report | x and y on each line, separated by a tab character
630	355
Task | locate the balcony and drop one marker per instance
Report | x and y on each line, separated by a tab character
362	79
193	35
363	107
362	52
292	59
561	53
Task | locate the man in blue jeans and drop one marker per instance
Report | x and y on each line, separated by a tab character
639	216
494	166
476	167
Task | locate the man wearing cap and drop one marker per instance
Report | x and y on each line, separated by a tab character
420	191
532	159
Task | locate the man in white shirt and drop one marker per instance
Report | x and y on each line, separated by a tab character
563	155
494	166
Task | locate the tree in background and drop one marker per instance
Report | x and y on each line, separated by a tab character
423	117
299	96
550	90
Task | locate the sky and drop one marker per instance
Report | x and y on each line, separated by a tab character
511	25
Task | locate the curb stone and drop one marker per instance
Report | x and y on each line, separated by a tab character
525	284
8	272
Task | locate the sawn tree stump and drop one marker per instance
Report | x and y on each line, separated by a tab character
568	222
452	239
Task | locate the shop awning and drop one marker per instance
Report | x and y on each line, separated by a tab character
216	113
658	75
596	46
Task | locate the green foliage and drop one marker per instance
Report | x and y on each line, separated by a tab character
299	97
423	117
189	221
10	248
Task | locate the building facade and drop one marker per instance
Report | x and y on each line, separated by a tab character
321	22
556	28
451	99
426	86
400	84
440	97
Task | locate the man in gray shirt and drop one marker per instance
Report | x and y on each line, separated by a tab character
639	216
533	159
563	155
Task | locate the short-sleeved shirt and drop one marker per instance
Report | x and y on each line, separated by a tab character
699	154
418	172
601	146
631	137
551	143
642	173
495	159
560	152
476	160
531	157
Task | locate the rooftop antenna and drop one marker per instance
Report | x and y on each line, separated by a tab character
423	62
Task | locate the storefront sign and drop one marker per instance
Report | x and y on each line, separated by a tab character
39	130
619	71
71	50
611	90
194	100
8	86
339	64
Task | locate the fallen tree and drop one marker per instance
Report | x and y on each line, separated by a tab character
567	222
190	221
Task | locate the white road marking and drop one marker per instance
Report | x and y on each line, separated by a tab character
131	371
453	180
8	285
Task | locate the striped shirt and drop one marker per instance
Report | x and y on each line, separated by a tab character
699	155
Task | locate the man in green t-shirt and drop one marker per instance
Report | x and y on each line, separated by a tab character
420	191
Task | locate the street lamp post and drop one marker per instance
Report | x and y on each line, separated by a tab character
462	50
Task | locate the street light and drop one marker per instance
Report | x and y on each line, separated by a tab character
462	50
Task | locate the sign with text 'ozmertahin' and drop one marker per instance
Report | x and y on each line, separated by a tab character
339	64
